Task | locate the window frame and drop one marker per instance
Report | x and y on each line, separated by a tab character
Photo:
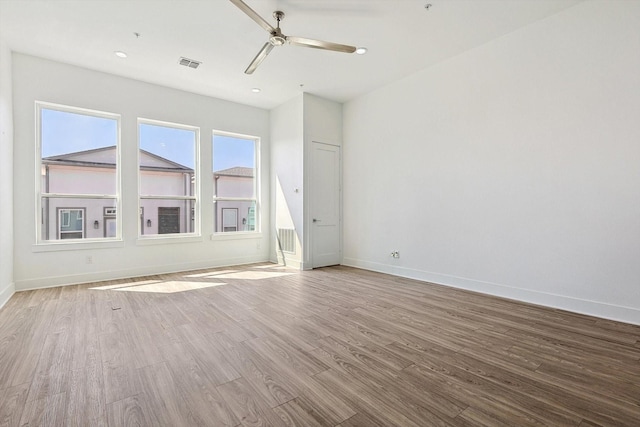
257	186
40	193
195	198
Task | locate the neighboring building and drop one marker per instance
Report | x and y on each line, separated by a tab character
93	172
234	215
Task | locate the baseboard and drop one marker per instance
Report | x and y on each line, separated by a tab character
291	263
7	293
74	279
576	305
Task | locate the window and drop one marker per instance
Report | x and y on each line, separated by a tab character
251	218
168	162
229	219
110	222
71	223
78	153
235	183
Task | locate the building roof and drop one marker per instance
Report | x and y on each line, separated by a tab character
105	157
235	171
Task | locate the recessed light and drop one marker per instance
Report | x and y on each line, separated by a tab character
361	50
256	90
120	54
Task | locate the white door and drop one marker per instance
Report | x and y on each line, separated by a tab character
325	205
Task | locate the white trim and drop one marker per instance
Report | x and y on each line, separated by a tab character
233	199
162	239
130	273
148	197
576	305
85	244
236	235
77	196
6	294
290	263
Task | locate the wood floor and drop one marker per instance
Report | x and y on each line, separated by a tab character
264	346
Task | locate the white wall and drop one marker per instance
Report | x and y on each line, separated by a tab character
295	125
42	80
322	123
512	169
7	286
287	136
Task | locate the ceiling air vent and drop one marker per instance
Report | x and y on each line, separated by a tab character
189	62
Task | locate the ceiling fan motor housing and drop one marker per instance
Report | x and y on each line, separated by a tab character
277	40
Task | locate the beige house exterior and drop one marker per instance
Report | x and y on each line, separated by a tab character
163	186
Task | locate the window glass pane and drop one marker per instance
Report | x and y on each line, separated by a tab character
234	163
167	168
234	215
78	153
234	183
169	143
78	156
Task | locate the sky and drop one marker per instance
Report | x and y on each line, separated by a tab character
229	152
64	132
177	145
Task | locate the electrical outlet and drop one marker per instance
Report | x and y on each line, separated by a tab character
395	254
89	259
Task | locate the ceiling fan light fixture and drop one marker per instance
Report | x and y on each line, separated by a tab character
361	50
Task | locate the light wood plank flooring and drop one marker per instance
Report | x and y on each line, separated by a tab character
262	345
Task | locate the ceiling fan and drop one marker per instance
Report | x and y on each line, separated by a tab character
276	37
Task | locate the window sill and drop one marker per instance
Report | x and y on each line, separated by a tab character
76	246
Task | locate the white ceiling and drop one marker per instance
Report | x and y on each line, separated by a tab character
402	37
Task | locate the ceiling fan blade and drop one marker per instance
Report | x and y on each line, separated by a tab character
259	58
253	15
319	44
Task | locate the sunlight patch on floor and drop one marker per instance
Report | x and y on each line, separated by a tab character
210	273
157	286
271	266
170	287
125	285
252	275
